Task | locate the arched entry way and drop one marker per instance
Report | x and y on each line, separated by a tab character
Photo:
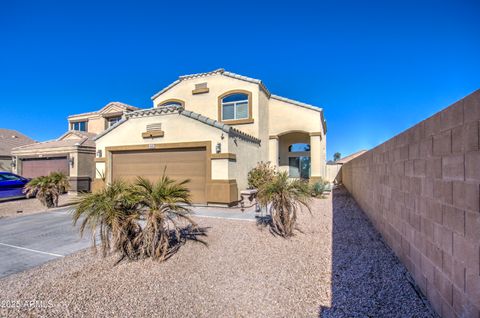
294	154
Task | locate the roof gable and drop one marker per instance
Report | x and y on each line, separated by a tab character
109	108
219	71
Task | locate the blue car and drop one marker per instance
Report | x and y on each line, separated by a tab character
11	185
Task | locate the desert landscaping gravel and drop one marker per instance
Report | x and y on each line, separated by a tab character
243	272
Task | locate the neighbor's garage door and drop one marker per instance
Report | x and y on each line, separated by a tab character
32	168
181	164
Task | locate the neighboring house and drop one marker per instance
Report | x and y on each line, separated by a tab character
10	139
346	159
73	153
213	128
334	168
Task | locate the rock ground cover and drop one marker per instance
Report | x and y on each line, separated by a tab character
243	272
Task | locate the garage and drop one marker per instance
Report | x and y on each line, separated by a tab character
35	167
180	164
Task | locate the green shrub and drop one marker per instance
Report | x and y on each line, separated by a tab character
318	188
260	175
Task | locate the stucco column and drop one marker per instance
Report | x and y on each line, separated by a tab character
317	157
273	151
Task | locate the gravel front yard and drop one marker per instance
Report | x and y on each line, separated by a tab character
244	272
29	206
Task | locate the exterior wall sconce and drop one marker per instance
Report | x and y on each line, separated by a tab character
13	164
218	147
99	153
71	160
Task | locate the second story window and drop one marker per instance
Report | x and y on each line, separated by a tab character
113	120
79	126
235	106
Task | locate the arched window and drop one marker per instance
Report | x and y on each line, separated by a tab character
172	102
235	106
299	148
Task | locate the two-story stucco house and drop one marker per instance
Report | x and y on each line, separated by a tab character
73	153
213	128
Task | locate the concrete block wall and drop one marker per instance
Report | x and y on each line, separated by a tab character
421	190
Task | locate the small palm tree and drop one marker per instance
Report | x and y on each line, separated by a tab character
114	213
47	188
284	198
60	180
166	206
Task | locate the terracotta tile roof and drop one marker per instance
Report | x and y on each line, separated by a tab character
85	139
119	104
350	157
214	72
10	139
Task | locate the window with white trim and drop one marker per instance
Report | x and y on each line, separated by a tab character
235	106
113	120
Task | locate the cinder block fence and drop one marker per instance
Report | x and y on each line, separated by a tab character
421	190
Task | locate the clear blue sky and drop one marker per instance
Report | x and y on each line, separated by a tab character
376	67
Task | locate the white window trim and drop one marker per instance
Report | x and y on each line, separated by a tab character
235	108
78	122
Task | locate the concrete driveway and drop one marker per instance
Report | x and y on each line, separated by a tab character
31	240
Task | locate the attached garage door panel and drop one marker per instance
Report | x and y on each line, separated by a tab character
32	168
180	164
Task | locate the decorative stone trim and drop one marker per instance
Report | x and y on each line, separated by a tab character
227	155
202	90
153	134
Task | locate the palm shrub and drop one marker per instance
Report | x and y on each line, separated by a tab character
166	209
261	174
284	198
47	188
112	212
115	213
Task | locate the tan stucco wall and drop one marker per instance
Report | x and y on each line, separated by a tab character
286	117
177	129
207	103
96	125
421	190
248	155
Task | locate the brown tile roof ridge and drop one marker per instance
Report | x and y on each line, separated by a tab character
10	138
